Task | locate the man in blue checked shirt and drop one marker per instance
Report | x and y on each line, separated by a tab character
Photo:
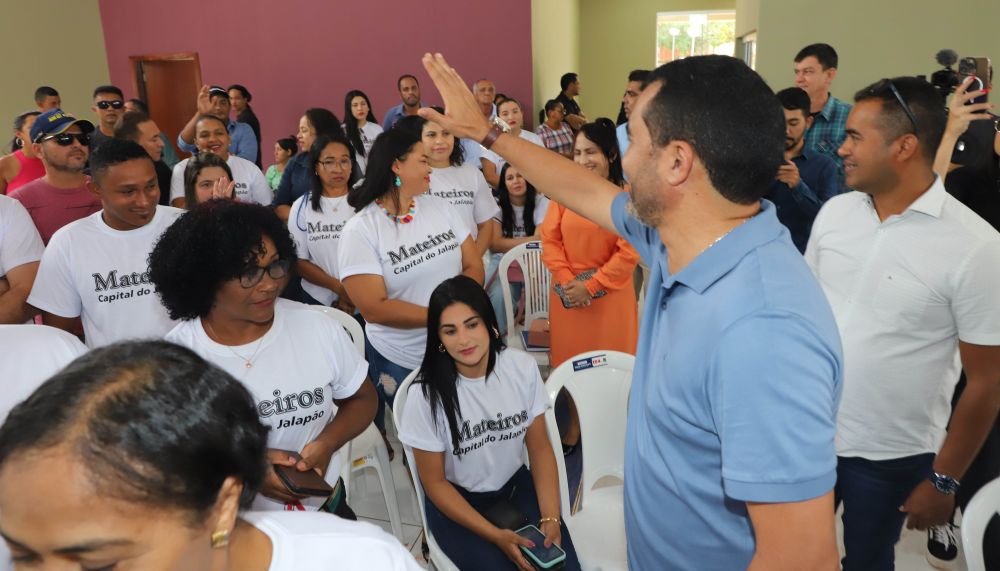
815	70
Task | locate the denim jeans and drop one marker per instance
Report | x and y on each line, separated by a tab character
495	293
377	367
469	551
872	491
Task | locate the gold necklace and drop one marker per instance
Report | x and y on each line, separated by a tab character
719	239
248	363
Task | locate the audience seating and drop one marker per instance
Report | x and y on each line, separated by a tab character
599	383
983	506
536	293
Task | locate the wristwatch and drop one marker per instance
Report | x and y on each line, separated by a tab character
499	126
944	484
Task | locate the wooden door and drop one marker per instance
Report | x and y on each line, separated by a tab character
169	84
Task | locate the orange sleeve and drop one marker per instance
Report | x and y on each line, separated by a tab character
553	251
617	272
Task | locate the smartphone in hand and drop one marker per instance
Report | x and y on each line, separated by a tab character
541	556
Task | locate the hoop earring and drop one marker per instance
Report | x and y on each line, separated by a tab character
19	141
441	347
398	183
220	539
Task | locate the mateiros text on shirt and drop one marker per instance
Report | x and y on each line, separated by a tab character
417	253
113	281
483	430
291	403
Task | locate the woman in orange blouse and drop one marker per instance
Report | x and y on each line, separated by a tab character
602	312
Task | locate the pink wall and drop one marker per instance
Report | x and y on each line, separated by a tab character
297	54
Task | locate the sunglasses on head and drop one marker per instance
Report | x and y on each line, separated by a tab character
66	139
116	104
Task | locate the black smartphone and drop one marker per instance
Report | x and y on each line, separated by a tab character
308	483
542	557
979	69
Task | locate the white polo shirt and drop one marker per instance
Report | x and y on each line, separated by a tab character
904	292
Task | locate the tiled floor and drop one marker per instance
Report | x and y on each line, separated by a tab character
367	501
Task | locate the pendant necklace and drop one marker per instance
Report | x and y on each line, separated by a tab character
248	363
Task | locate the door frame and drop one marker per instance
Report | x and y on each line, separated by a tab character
135	65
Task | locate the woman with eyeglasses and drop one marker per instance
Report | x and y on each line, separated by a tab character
361	126
469	379
401	243
220	268
22	165
318	219
212	136
142	455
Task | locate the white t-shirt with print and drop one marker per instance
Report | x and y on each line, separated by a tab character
19	240
368	133
317	541
251	185
298	367
101	274
467	190
520	231
499	161
32	354
495	415
316	236
412	260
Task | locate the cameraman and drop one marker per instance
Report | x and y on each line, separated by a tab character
971	173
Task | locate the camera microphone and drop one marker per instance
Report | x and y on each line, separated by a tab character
946	58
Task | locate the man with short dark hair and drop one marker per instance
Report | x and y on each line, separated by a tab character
912	276
409	93
635	80
807	179
169	156
47	98
109	104
569	83
729	447
62	196
214	100
138	127
96	267
815	70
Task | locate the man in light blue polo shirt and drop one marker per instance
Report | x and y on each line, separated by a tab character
729	454
409	93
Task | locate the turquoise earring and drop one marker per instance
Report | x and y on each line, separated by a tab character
398	182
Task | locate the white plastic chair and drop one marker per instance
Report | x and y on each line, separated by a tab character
599	382
536	293
367	450
981	509
438	559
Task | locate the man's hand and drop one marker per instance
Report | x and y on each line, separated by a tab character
927	507
961	115
788	173
462	114
315	456
576	121
204	102
273	487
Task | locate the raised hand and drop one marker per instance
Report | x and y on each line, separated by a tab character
462	115
961	115
223	188
204	102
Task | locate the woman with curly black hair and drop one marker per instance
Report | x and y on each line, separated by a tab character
220	268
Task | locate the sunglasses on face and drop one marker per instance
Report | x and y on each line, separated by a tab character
116	104
66	139
252	275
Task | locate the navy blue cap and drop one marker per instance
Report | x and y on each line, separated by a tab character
54	122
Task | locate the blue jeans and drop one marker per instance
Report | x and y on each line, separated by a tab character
496	294
469	551
377	367
872	491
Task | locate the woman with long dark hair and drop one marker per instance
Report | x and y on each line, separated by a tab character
522	210
401	242
452	179
219	269
361	126
297	179
22	165
473	409
592	304
240	98
318	219
143	454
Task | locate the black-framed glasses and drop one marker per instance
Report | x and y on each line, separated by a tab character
253	274
66	139
114	104
902	102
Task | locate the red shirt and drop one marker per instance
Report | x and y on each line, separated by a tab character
52	208
31	169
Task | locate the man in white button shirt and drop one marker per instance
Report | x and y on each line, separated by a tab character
913	278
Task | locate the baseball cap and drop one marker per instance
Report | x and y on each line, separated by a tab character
54	122
216	90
